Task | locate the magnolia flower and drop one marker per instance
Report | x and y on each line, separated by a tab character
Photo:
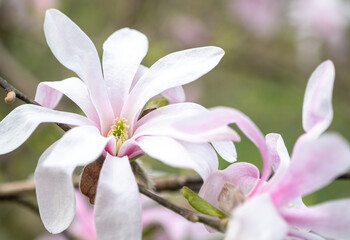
114	127
255	204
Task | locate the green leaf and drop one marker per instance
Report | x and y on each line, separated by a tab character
157	103
200	204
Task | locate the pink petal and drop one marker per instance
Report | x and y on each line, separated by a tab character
161	122
74	50
226	150
19	124
256	219
173	70
123	52
180	154
314	165
317	108
330	219
175	95
117	206
279	156
139	73
241	174
83	224
221	116
48	94
55	194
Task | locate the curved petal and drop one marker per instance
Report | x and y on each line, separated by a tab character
55	194
256	219
279	156
161	122
74	50
178	154
78	147
330	219
48	94
221	116
175	95
19	124
314	165
241	174
226	150
139	73
173	70
123	52
317	108
117	205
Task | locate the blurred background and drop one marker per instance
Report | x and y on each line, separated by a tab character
271	46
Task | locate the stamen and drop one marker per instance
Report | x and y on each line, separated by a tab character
119	130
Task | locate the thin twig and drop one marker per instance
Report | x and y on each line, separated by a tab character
188	214
8	87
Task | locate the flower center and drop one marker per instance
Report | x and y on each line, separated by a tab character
119	130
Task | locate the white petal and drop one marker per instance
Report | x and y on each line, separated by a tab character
199	157
123	52
175	95
117	206
19	124
256	219
48	95
161	122
55	194
317	108
78	147
74	50
173	70
226	150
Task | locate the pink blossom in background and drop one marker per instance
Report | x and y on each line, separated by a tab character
42	5
317	159
260	17
189	31
318	23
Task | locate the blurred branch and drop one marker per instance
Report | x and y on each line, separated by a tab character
13	70
20	188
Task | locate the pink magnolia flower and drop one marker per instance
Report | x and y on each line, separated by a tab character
112	101
316	161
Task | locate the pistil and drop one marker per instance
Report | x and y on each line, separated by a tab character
119	130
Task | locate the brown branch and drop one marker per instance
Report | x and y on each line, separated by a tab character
213	222
8	88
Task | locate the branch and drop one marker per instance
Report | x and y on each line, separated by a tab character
9	88
215	223
20	188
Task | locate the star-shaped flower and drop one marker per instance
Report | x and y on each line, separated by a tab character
115	124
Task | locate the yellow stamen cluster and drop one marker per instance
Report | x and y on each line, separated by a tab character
119	130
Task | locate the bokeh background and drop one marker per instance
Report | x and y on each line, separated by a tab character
271	48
